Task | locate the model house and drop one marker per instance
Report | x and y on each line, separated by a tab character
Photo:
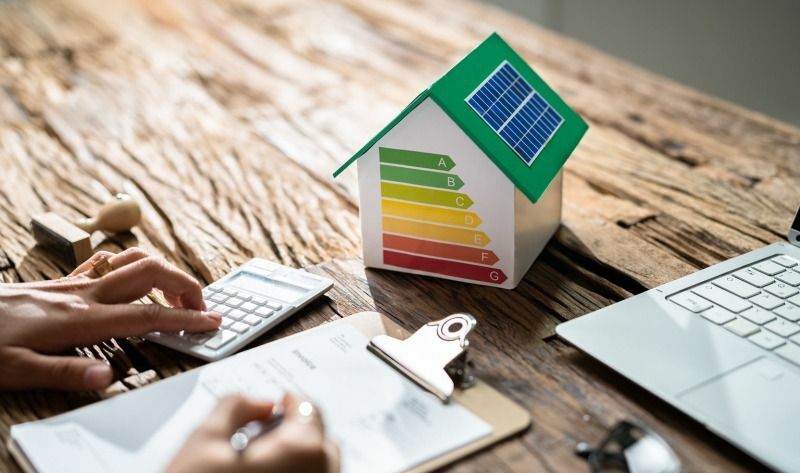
465	183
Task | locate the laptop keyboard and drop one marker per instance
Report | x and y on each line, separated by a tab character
760	302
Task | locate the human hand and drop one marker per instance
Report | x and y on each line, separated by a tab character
297	444
43	318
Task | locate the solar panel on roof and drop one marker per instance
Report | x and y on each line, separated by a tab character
519	114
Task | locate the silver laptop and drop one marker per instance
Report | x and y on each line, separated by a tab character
721	345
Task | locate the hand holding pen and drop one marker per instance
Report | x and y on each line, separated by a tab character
286	437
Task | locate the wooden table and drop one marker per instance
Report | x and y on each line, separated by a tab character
225	119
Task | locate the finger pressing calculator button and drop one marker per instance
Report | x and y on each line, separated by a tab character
240	327
252	319
222	338
234	302
264	312
237	314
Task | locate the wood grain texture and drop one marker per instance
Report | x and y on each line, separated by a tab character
225	120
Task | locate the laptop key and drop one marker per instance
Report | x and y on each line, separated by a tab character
767	301
737	286
722	297
742	327
786	261
790	352
690	302
781	290
757	315
718	315
753	277
789	312
769	268
766	340
782	327
791	278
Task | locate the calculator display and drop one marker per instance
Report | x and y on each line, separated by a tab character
259	284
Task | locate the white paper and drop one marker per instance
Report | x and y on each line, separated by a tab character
382	421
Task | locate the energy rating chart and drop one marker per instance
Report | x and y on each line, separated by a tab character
426	221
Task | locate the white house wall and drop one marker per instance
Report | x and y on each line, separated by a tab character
536	223
428	129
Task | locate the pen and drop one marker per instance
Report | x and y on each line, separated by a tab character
250	431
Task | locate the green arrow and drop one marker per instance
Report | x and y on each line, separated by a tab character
425	196
419	177
417	159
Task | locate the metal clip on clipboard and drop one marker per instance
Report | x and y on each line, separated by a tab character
434	357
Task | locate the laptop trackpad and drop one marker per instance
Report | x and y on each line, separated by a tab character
756	406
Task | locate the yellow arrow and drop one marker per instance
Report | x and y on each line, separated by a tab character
431	214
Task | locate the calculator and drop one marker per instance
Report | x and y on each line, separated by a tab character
252	299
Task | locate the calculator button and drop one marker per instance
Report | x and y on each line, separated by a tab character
228	291
222	338
258	300
214	288
248	307
243	297
210	306
207	293
240	327
264	312
222	309
237	314
226	323
252	319
234	302
219	298
200	338
273	305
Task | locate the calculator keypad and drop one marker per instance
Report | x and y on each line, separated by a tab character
240	313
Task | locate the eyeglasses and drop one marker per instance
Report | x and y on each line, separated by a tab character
629	448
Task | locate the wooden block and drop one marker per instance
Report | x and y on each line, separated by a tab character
62	238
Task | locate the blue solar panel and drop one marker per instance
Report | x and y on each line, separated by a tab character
522	118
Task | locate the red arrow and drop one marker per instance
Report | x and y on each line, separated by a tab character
444	267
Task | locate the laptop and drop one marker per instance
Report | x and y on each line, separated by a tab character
721	345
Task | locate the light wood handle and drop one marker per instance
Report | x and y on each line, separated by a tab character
119	215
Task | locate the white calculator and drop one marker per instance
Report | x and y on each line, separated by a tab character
252	299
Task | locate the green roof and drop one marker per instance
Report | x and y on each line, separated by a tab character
450	92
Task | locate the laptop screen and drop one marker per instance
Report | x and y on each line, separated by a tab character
796	223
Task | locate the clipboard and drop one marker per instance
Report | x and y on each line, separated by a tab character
505	417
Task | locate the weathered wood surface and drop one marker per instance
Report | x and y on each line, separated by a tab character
225	120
